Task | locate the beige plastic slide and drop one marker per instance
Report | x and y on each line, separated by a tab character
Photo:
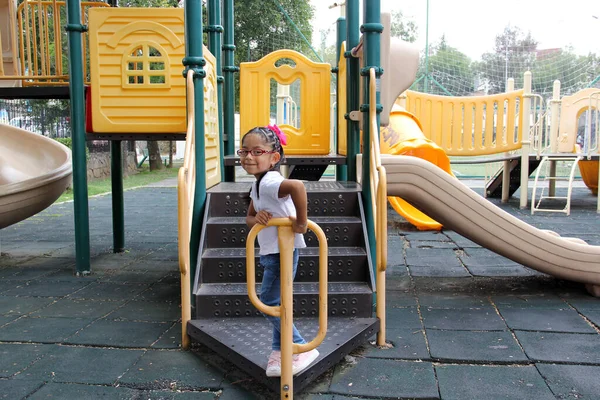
458	208
34	172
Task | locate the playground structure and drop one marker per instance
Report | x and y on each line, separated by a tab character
34	172
213	238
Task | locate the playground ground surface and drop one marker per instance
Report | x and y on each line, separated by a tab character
464	323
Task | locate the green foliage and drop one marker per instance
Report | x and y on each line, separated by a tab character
65	141
403	28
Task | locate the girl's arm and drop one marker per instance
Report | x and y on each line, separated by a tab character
297	191
253	218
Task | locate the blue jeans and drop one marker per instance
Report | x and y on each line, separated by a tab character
270	294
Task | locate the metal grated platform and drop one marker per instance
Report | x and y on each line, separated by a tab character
246	342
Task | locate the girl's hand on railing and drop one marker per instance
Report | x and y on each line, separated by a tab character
298	228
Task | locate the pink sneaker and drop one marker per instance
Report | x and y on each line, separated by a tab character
301	361
274	364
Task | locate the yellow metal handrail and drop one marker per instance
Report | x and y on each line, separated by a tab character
185	199
285	311
41	43
379	187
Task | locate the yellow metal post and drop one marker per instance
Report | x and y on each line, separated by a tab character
286	253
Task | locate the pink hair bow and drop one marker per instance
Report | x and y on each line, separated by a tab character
279	133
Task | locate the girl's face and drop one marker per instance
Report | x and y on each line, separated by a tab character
254	164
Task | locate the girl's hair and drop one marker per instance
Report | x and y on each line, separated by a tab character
270	138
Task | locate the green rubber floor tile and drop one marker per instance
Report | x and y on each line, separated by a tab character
403	318
93	366
138	310
536	319
560	347
109	291
87	392
120	333
44	288
165	369
468	319
385	378
462	382
15	358
171	339
13	305
73	308
474	346
12	390
572	381
407	344
42	330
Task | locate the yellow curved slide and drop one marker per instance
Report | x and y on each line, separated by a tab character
404	136
34	172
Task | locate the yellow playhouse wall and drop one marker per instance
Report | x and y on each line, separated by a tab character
211	122
119	106
313	136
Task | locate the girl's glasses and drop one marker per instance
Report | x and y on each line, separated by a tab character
254	152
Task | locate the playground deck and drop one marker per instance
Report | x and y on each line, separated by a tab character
465	323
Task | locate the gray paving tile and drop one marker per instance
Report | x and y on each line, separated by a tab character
109	291
397	298
572	381
88	392
504	270
431	257
408	344
75	308
120	333
431	244
172	369
125	276
542	300
469	319
461	382
161	292
538	319
474	346
593	316
461	241
171	339
7	319
560	347
403	318
458	300
583	302
386	378
139	310
42	330
93	366
11	389
439	270
15	358
45	288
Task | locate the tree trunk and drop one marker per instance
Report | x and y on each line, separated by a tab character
154	155
171	154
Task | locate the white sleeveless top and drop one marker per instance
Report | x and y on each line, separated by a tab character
280	208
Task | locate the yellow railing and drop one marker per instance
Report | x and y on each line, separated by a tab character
42	44
185	198
379	191
470	126
285	310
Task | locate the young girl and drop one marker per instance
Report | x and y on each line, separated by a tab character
272	196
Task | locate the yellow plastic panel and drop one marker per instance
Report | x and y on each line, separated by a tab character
211	122
469	126
571	109
136	70
342	106
312	137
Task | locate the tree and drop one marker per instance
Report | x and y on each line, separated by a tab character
402	27
514	53
449	71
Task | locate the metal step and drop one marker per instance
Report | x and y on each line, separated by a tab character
246	343
307	172
228	232
228	265
217	300
324	199
494	187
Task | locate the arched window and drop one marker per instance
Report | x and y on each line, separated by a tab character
146	65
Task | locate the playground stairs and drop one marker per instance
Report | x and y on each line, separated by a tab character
564	201
493	188
226	321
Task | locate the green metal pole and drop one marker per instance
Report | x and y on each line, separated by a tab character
215	30
195	61
353	87
80	192
341	170
229	69
371	29
427	49
118	210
